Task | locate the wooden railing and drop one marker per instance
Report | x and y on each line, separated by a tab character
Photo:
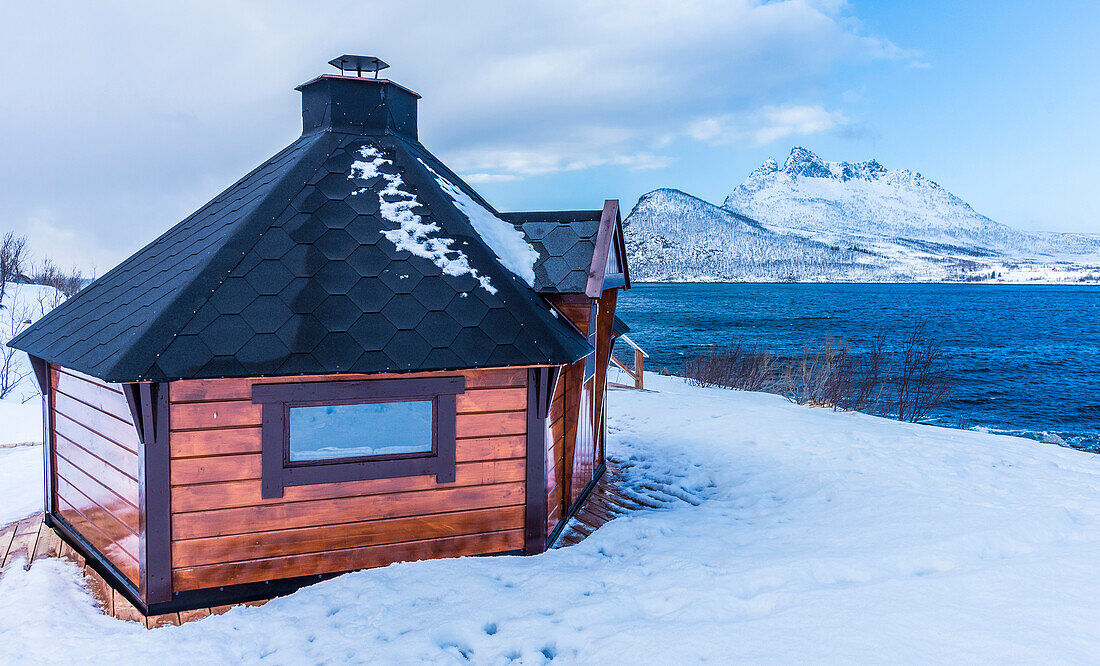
639	363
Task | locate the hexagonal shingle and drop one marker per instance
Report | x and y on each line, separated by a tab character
433	294
273	244
335	214
226	334
400	278
301	334
269	277
233	296
558	241
266	314
472	343
404	311
372	331
364	203
336	351
303	295
500	326
308	200
370	295
467	310
337	312
368	260
407	348
263	354
335	186
365	230
336	277
440	328
336	244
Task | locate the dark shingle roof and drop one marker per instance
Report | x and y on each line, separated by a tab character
288	272
566	243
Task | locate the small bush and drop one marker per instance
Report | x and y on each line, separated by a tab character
734	366
46	273
909	388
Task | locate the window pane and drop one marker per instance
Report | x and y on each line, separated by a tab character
328	432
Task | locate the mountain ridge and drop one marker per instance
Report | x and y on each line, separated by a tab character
816	220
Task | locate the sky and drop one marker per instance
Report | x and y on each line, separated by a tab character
117	119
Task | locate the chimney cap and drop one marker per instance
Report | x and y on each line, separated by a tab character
358	64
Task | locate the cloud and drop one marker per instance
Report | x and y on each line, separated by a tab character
475	178
765	125
512	91
498	165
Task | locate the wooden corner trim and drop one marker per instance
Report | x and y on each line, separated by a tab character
603	244
155	511
540	388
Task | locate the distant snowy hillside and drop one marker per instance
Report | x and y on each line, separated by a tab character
673	236
814	220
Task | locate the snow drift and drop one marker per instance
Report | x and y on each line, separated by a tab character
820	536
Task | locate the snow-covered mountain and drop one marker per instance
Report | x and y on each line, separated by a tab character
815	220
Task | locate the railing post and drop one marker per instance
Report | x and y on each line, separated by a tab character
639	360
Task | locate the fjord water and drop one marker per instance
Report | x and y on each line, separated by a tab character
1026	357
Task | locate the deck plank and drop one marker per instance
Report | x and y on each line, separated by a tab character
6	535
197	614
165	620
49	543
22	545
102	592
124	610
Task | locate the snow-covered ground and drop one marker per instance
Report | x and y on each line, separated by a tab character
20	422
20	482
820	537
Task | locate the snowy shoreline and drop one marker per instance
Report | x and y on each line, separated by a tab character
821	536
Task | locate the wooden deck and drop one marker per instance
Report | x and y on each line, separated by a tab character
31	540
615	496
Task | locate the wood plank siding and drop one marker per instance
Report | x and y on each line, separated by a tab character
224	533
95	465
555	454
575	446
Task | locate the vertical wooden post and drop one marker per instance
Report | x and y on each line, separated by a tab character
538	383
42	377
154	510
639	361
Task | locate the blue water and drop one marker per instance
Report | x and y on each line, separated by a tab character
1026	357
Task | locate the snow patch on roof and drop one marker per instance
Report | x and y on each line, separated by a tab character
413	234
505	240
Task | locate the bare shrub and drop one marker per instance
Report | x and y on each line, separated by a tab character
48	274
871	378
734	366
830	375
13	320
12	256
922	383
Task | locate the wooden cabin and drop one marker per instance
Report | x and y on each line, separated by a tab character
346	359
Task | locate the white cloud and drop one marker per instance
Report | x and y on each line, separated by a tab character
475	178
765	125
511	90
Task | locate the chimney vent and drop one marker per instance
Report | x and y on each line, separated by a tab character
358	64
351	102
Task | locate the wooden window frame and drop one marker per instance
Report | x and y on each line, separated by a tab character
276	400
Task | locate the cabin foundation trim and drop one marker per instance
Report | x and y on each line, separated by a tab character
97	561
